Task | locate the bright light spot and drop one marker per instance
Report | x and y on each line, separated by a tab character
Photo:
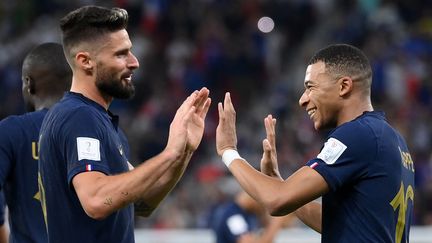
265	24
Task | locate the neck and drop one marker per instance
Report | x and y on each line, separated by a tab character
45	103
354	109
88	88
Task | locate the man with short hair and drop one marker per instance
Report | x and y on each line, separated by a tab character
364	172
88	189
46	76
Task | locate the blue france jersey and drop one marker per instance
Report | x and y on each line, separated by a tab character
230	222
18	175
79	135
370	173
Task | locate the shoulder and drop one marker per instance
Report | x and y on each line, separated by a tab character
359	136
14	123
364	130
69	112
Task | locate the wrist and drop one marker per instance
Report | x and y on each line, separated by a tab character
229	155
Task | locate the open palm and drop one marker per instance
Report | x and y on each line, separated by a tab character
195	128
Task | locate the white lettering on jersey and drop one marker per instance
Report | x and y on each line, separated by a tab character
237	224
88	148
332	150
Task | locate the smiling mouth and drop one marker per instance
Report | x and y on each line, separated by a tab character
311	112
128	78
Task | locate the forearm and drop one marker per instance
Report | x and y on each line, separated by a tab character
100	195
151	199
279	197
261	187
311	215
4	234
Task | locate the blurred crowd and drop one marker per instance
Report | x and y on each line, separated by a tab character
183	45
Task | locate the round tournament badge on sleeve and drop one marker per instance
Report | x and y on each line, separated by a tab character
332	150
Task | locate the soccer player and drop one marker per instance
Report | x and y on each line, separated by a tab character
89	191
243	220
364	171
46	76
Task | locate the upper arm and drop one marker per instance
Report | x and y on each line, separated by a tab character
6	148
86	186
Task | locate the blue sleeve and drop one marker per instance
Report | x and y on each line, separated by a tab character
82	141
345	155
7	130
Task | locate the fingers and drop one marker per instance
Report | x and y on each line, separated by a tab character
227	102
201	100
267	149
270	123
187	103
205	108
266	146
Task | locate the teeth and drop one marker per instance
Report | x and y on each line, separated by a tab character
311	112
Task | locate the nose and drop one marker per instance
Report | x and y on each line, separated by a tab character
132	61
304	99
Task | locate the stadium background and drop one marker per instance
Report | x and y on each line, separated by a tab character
183	45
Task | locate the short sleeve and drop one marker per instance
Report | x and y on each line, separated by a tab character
345	155
82	139
7	130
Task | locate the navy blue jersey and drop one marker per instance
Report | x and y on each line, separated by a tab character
18	175
370	173
79	135
230	222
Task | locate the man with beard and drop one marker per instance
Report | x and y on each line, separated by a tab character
88	189
364	172
46	76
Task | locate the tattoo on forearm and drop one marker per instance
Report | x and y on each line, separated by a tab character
108	201
142	208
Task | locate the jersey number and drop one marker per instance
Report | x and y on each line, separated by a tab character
401	201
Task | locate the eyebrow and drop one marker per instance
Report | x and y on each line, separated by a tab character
122	51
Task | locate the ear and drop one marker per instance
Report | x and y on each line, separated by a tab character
346	86
29	85
84	61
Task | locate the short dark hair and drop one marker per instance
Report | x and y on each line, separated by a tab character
345	60
47	57
89	23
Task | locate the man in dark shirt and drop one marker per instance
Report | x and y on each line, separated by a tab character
46	76
364	171
88	189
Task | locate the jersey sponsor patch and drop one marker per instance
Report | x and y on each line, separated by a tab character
237	224
88	148
332	150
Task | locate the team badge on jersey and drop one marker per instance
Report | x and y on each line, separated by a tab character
88	148
332	150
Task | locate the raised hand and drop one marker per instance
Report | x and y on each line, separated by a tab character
178	132
269	164
195	127
226	137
